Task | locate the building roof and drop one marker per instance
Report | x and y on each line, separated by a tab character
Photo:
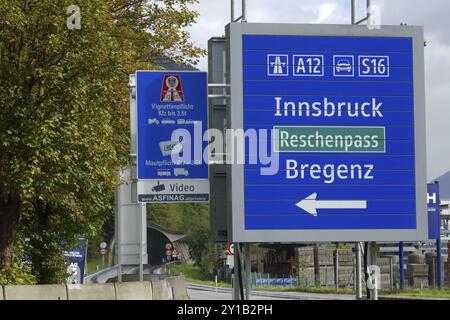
169	64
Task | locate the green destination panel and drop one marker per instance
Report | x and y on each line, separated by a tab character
329	139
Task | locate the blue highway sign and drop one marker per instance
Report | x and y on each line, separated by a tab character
434	211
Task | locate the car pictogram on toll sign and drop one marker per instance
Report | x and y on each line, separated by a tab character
172	90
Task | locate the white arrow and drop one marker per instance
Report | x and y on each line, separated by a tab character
311	204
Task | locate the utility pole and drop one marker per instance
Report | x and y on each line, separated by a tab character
358	278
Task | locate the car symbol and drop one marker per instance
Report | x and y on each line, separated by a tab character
344	65
180	172
168	121
159	188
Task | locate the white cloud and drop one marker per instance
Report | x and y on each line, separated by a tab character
433	14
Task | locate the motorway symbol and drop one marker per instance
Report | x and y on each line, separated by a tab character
159	187
311	204
171	113
434	211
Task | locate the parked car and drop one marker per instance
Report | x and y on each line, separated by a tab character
153	121
168	121
344	65
164	173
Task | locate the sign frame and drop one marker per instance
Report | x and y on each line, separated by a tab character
235	115
145	187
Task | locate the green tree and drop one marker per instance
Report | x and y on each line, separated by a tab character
197	225
64	113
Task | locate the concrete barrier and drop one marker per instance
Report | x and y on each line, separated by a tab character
36	292
178	285
135	277
104	291
161	290
134	291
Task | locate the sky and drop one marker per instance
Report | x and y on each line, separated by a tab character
434	15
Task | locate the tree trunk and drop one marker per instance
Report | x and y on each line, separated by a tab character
9	222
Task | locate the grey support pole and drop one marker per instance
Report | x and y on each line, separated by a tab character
142	208
236	277
248	275
353	11
336	269
375	289
358	286
439	262
401	266
391	274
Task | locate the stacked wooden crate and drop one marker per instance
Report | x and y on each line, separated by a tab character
346	268
417	271
304	258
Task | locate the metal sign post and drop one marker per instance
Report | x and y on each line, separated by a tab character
350	153
401	266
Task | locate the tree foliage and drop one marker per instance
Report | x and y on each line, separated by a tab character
64	113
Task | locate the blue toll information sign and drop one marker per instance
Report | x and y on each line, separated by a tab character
171	122
344	111
434	211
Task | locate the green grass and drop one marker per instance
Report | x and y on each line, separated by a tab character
307	289
194	275
92	265
422	293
